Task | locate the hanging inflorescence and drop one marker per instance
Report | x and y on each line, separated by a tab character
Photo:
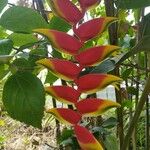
70	70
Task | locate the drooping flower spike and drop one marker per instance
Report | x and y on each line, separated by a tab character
92	28
88	4
61	41
63	69
92	83
66	10
93	56
93	107
86	139
63	94
65	115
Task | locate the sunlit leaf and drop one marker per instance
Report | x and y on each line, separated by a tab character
22	19
24	98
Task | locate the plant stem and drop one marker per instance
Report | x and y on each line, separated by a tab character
40	7
58	131
113	38
138	111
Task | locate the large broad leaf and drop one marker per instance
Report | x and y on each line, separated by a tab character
22	19
6	46
24	98
21	64
3	3
142	45
131	4
20	39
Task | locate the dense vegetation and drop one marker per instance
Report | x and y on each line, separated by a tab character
85	45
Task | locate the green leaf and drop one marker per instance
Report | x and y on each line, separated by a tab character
126	73
20	39
110	122
50	78
3	33
24	98
65	135
111	142
6	46
5	59
22	19
3	70
142	45
132	4
3	3
37	54
21	64
127	104
104	67
132	90
59	24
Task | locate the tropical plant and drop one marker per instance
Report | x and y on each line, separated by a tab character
70	41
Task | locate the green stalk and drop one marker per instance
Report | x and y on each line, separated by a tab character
113	38
40	7
137	114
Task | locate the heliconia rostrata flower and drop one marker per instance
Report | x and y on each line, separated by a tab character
86	140
64	94
92	107
92	28
66	116
93	56
87	4
64	69
92	83
71	70
61	41
66	10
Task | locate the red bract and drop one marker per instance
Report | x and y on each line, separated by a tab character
92	83
87	4
66	116
86	140
93	56
66	10
64	94
93	107
93	28
63	69
61	41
